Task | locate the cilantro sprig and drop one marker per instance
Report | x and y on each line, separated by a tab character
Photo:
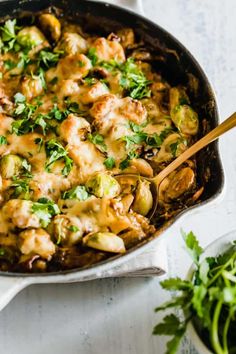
78	192
209	300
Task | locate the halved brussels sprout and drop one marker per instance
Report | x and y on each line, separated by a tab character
67	229
50	25
185	119
10	165
103	185
72	43
180	182
105	241
143	200
32	86
30	37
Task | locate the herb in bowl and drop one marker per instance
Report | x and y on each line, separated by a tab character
208	300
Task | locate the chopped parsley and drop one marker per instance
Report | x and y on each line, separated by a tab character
8	36
92	56
98	140
78	192
21	188
125	163
48	59
39	142
55	151
45	209
3	140
109	162
73	228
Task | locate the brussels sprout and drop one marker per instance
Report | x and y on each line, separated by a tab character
105	241
143	198
32	86
67	230
10	165
30	37
51	25
180	182
103	185
72	43
185	119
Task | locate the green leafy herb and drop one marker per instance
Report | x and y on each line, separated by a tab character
92	56
73	228
78	192
209	300
48	59
39	142
45	209
134	81
8	35
109	162
125	163
3	140
55	151
21	188
9	64
98	140
26	169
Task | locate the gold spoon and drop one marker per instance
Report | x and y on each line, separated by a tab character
200	144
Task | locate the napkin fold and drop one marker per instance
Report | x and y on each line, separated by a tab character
152	262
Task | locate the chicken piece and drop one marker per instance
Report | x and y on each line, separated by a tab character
36	241
108	50
111	111
32	87
19	213
90	94
63	71
87	158
74	129
72	43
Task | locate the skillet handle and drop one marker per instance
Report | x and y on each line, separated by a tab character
134	5
9	287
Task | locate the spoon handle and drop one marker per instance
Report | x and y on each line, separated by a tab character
207	139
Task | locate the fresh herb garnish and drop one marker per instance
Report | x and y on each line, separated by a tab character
8	35
78	192
21	188
39	142
125	163
109	162
48	59
209	300
73	228
55	151
45	209
3	140
92	56
98	140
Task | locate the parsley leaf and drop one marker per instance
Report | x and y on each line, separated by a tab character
8	35
78	192
109	162
55	151
73	228
47	58
98	140
21	188
3	140
45	209
192	245
134	81
92	56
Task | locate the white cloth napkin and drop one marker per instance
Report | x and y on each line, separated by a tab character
152	262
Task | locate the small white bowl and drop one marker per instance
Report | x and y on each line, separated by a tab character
213	249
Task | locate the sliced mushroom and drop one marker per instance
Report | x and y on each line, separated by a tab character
105	241
177	184
51	26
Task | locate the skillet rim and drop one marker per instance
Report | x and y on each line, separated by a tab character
137	249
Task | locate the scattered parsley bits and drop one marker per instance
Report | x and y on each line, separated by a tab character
21	188
78	192
39	142
98	140
109	162
73	228
92	56
48	59
45	209
3	140
8	35
55	151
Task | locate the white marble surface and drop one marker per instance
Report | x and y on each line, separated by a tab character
116	315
